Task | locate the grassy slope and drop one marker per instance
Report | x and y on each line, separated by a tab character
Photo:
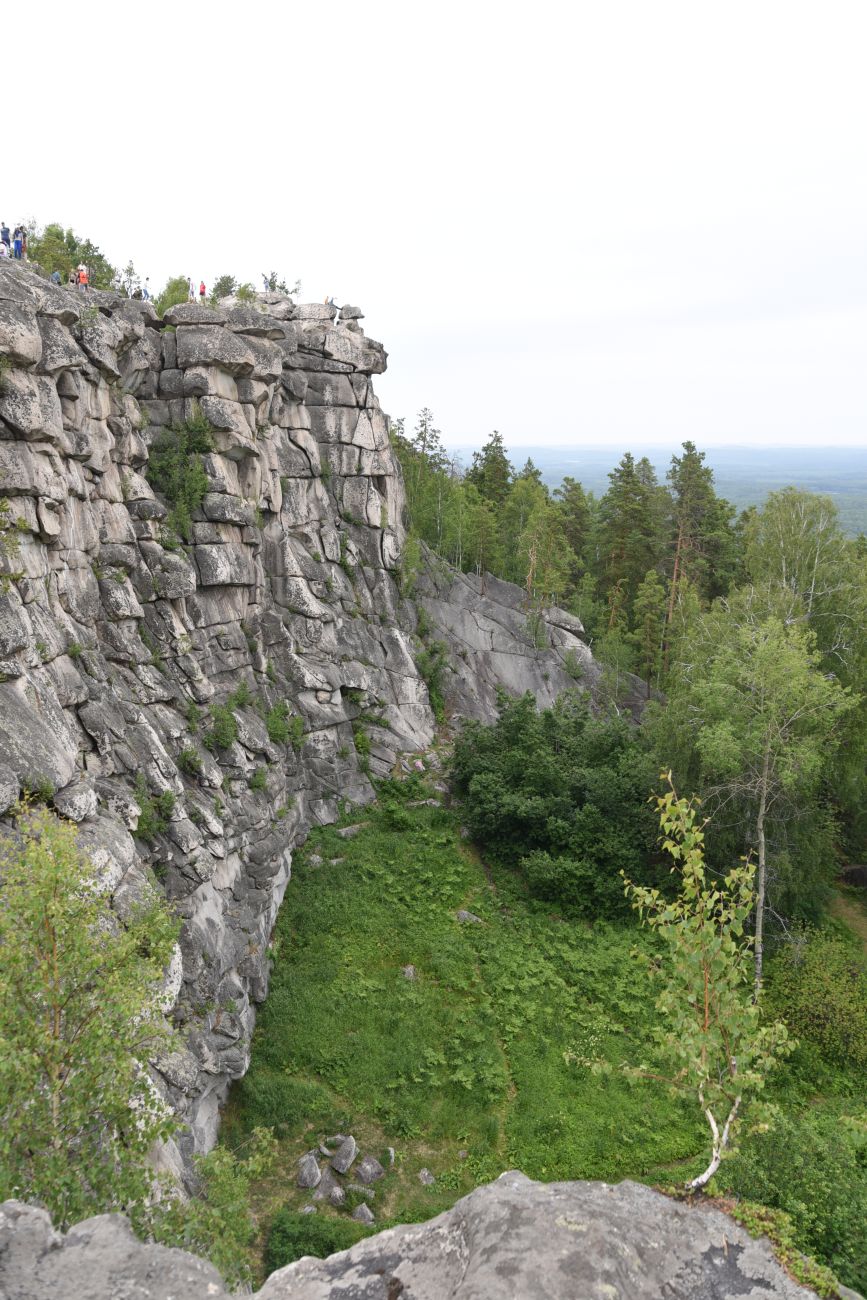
477	1054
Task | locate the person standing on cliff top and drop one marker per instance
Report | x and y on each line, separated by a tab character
191	296
17	243
5	237
202	292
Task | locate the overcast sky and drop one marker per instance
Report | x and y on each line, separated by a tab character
598	222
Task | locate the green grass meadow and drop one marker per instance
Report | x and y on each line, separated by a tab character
480	1063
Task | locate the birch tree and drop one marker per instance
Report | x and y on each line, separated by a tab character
79	1022
762	718
711	1031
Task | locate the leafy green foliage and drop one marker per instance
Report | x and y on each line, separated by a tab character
776	1225
224	728
155	812
218	1222
820	990
259	779
56	249
175	470
190	761
277	723
175	291
223	287
711	1029
79	1021
293	1235
814	1168
562	795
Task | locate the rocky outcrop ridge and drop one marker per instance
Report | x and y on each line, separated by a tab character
513	1238
281	608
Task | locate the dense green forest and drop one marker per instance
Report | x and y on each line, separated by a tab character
749	633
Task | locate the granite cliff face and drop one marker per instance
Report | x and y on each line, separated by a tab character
116	641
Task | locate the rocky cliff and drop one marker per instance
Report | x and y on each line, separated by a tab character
277	603
511	1240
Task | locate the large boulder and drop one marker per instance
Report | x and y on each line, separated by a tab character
512	1240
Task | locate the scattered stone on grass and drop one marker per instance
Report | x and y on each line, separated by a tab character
368	1170
466	917
345	1154
426	1177
309	1173
363	1214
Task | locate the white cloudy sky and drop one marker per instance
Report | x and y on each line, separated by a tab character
604	222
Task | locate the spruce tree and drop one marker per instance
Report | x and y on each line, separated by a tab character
491	471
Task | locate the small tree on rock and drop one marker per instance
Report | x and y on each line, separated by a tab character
79	1022
711	1027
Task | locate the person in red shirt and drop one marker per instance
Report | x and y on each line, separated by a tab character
202	292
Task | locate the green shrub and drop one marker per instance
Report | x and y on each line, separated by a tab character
573	666
175	291
362	741
224	728
819	986
582	887
75	650
194	715
241	696
39	788
190	761
176	471
224	286
293	1235
431	663
277	723
259	779
155	812
562	796
814	1167
296	731
218	1222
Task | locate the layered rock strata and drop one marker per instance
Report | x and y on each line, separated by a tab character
513	1238
279	607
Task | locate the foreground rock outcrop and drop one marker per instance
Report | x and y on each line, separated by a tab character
512	1240
280	606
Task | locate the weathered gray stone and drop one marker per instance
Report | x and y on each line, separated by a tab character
368	1170
9	788
20	339
426	1178
76	802
193	313
309	1173
345	1154
363	1214
210	345
511	1239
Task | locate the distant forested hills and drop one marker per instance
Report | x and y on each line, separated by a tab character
743	475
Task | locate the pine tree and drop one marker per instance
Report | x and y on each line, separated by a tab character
491	471
704	550
648	623
575	511
629	533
